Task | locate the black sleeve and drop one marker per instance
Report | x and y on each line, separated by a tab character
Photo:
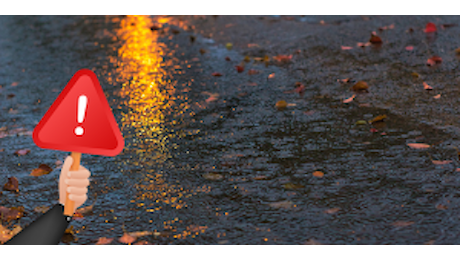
46	230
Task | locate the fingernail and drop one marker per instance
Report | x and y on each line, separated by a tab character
68	190
68	174
66	181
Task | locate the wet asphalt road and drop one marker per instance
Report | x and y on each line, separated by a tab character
235	170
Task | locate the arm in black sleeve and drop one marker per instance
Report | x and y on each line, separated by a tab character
46	230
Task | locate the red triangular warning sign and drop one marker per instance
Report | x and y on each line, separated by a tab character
80	120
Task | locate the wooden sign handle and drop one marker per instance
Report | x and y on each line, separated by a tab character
69	205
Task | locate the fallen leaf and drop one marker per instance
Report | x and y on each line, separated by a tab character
229	25
229	45
441	162
347	80
9	96
142	242
87	209
14	84
361	122
457	51
211	99
203	51
309	113
312	242
104	241
283	58
247	58
441	207
138	234
375	39
271	76
346	48
175	31
348	100
430	28
435	60
318	174
426	86
260	177
69	230
332	211
78	216
42	169
415	74
41	209
8	214
213	176
378	119
252	45
374	130
242	94
448	25
360	86
5	234
282	204
22	152
292	186
58	162
227	58
216	74
239	68
409	48
281	104
437	96
12	184
362	44
127	239
402	223
253	72
418	145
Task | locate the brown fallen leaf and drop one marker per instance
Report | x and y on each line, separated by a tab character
22	152
332	211
418	145
347	80
283	58
87	209
360	86
42	169
441	207
228	58
126	239
375	39
252	45
253	72
438	96
441	162
138	234
281	104
8	214
41	209
415	74
318	174
239	68
457	51
402	223
378	119
12	184
247	58
348	100
14	84
216	74
435	60
282	204
104	241
292	186
260	177
203	51
271	76
213	176
141	242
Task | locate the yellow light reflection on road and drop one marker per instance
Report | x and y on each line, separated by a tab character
147	71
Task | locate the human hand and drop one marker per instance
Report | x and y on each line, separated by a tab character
75	183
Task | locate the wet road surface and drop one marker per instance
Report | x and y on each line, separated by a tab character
210	160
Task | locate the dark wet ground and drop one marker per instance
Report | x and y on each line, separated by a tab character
375	189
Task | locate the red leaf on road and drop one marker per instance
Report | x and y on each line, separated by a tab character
409	48
375	39
239	68
434	61
283	58
430	28
426	86
12	184
216	74
347	48
441	162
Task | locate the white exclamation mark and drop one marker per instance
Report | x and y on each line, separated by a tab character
81	110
